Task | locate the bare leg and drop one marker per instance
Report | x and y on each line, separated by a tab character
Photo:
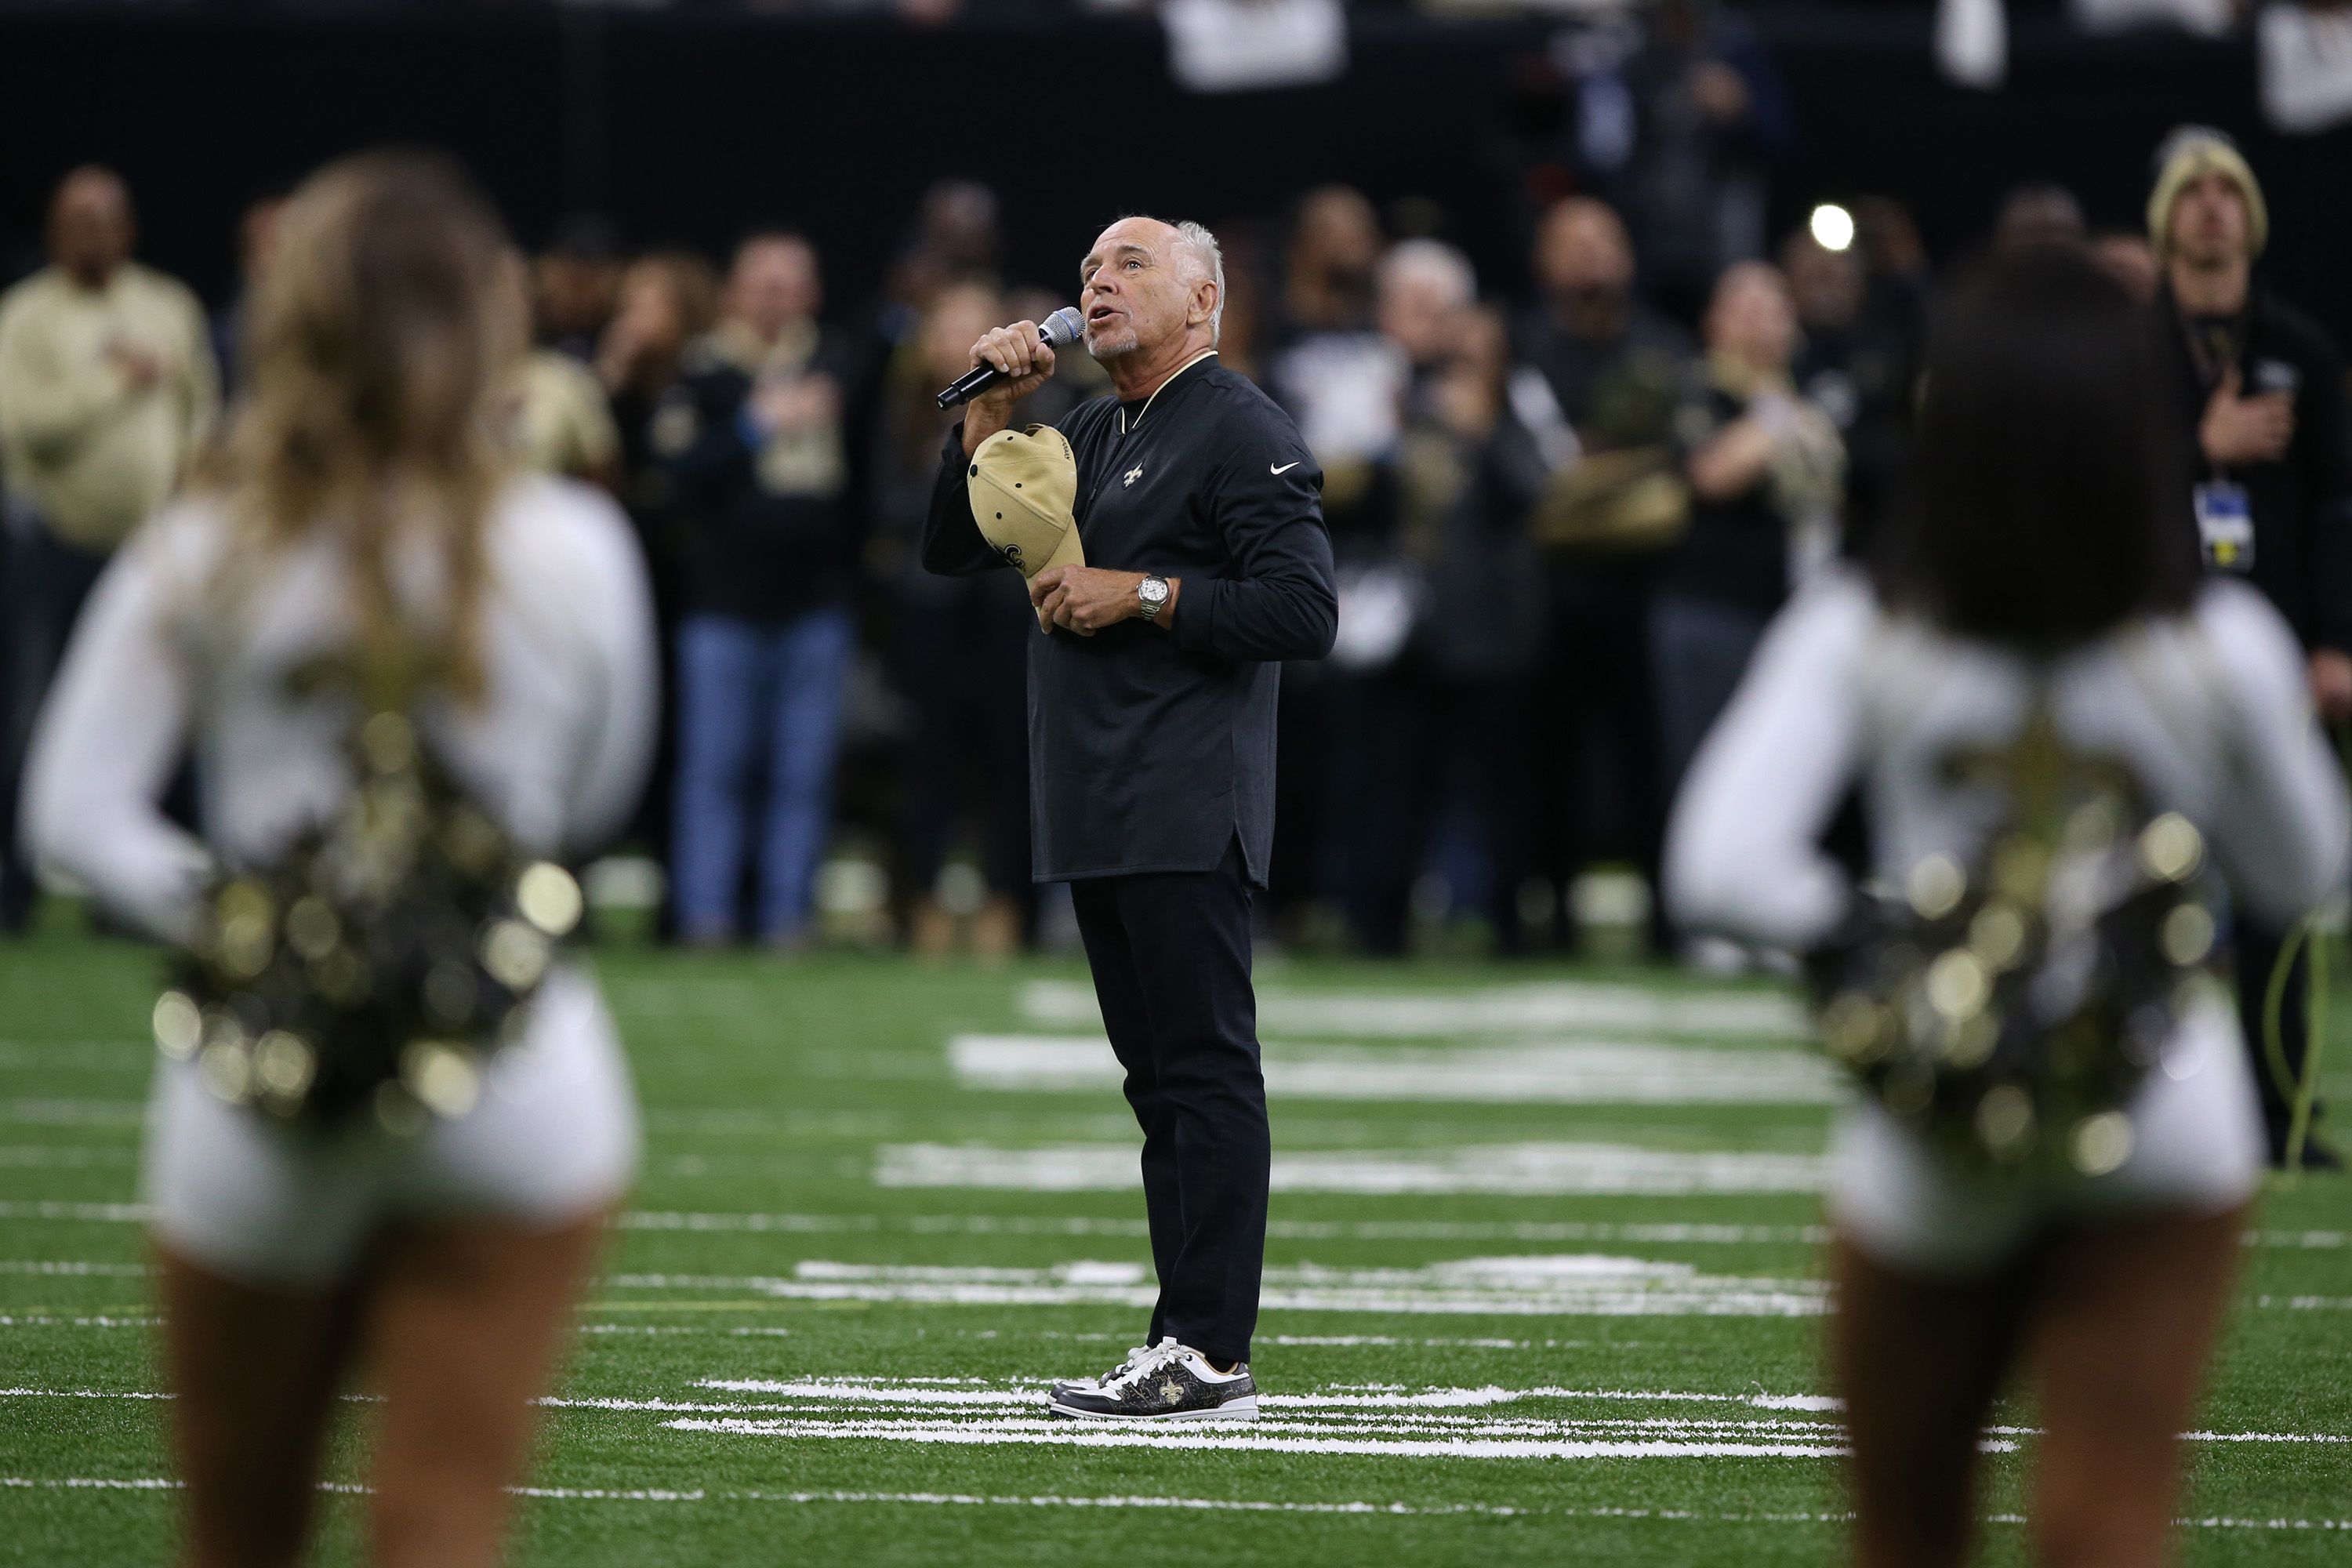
466	1322
256	1374
2124	1329
1918	1362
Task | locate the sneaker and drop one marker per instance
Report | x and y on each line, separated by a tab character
1166	1382
1090	1385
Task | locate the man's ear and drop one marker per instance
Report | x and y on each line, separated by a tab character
1204	302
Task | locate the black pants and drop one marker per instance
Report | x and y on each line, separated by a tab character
2258	956
1171	954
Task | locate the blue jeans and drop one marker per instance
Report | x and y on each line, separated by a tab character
1698	651
758	708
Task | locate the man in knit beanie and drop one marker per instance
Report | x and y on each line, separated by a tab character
2263	389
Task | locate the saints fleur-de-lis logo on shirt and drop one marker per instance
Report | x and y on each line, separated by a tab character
1134	473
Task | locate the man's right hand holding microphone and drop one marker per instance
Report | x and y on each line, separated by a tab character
1022	356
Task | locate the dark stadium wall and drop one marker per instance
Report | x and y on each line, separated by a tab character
690	127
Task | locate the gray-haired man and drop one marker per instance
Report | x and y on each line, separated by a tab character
1151	711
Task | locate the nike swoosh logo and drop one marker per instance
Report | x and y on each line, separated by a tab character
1287	466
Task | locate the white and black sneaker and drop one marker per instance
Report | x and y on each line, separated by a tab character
1166	1382
1091	1385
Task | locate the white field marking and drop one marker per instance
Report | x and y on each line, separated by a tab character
1069	1435
97	1213
68	1266
348	1488
50	1323
2307	1304
1024	1394
1377	1420
78	1056
1513	1169
1179	1504
1554	1008
1630	1072
1353	1342
63	1156
1575	1285
75	1112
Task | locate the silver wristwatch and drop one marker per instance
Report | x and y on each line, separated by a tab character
1151	595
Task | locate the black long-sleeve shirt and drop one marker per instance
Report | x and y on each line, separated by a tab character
1153	750
2301	502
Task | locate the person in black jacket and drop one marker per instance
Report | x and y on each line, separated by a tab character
1152	727
761	478
2262	387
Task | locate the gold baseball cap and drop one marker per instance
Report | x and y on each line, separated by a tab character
1023	485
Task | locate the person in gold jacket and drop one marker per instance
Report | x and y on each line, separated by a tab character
107	389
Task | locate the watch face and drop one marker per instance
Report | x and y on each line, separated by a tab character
1152	590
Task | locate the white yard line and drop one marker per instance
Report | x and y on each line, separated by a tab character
980	1392
74	1112
1500	1169
7	1321
1593	1072
1070	1435
1554	1008
1547	1072
1154	1502
2307	1304
94	1214
135	1057
70	1266
1366	1420
1576	1285
64	1156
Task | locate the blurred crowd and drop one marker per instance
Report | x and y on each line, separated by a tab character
1562	521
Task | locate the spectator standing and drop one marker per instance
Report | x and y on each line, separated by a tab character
669	299
2039	213
2261	387
575	282
963	645
1855	363
1368	851
1685	131
257	244
1765	471
1457	725
1599	373
1328	366
2130	260
955	238
764	643
107	389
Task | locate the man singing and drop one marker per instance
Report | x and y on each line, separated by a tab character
1152	716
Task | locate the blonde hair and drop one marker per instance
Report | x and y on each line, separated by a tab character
379	340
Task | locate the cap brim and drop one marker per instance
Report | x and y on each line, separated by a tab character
1070	551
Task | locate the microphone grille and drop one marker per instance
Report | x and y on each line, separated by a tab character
1062	328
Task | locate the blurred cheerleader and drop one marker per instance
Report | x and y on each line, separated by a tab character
361	517
2038	605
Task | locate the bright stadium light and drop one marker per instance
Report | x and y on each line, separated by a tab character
1833	227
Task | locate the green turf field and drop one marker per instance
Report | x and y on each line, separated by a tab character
1542	1287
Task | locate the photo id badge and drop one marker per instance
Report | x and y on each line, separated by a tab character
2225	526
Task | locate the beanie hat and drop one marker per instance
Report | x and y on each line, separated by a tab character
2188	153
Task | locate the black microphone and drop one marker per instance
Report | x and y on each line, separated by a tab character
1060	330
